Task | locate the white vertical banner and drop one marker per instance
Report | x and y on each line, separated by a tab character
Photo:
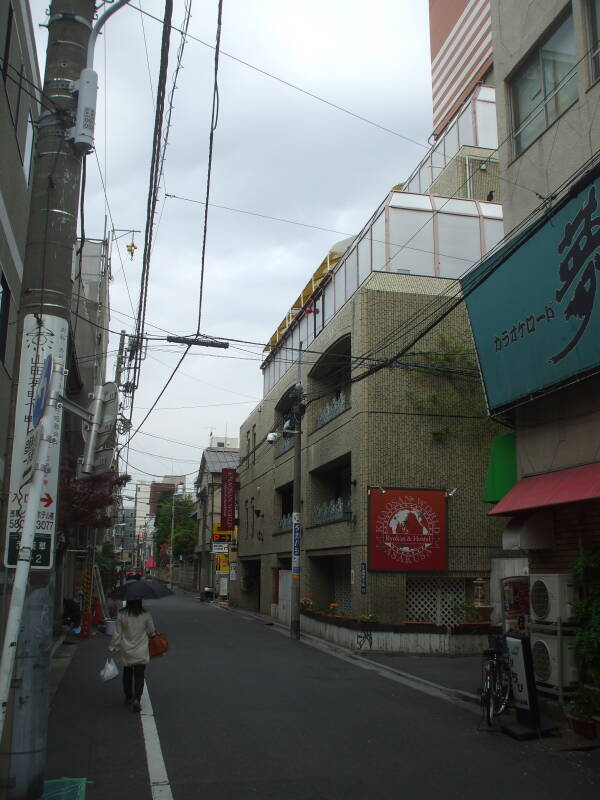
42	336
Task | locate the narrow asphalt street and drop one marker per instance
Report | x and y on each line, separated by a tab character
243	711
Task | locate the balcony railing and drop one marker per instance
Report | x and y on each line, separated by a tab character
285	444
285	523
332	409
331	511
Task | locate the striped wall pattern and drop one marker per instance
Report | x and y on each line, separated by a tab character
461	53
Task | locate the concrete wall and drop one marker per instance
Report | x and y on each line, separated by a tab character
439	643
572	139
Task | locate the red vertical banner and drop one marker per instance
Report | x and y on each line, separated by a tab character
228	485
407	530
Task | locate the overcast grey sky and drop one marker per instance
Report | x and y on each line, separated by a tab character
277	152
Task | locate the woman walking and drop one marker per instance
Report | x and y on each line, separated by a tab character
130	644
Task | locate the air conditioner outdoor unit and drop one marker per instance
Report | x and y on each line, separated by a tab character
547	650
550	597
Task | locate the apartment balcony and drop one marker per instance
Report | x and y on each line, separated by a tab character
338	510
332	409
285	445
285	523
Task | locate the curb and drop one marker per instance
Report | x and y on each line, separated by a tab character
57	643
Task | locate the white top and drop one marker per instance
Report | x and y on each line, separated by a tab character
130	639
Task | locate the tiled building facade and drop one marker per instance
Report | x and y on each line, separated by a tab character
384	433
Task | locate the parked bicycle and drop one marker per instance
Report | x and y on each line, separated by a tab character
495	680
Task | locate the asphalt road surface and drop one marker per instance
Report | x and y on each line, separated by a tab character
242	712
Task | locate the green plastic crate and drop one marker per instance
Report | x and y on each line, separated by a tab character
65	789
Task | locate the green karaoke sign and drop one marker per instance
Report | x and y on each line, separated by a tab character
533	305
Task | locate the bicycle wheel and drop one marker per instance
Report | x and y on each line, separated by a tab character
501	688
487	694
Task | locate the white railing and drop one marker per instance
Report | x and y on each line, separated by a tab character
285	523
332	409
331	511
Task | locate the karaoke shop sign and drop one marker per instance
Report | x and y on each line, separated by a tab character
407	530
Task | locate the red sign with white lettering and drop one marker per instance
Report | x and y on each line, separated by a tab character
407	530
228	486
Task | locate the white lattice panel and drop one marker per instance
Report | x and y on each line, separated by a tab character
435	599
342	588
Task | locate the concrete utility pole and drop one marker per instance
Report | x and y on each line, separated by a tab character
65	134
298	413
46	298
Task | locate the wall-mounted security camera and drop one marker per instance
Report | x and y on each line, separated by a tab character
273	437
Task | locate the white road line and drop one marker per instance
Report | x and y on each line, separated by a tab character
157	772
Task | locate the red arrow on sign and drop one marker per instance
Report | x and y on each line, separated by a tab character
46	500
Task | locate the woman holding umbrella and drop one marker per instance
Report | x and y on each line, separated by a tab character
130	639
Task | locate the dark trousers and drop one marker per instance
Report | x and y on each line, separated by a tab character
133	681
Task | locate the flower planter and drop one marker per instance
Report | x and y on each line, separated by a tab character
583	727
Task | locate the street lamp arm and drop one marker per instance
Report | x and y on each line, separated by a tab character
98	27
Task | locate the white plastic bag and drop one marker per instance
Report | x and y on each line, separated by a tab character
109	670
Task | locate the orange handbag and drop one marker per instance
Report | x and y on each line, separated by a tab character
158	645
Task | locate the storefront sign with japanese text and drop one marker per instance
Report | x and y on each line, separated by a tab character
42	337
533	306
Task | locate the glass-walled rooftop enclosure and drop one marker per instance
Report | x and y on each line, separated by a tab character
474	125
409	233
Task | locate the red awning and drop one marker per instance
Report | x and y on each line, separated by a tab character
552	489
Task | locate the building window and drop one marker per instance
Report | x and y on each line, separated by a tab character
545	86
595	38
254	444
4	314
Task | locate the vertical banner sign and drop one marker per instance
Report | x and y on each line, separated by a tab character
296	545
45	337
407	530
228	484
363	577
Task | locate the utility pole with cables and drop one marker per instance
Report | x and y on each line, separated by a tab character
65	136
43	330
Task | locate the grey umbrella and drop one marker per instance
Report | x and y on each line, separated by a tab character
141	590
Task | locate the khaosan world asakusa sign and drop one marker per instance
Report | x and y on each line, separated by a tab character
228	485
535	317
407	530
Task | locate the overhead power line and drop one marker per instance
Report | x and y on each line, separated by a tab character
295	87
213	126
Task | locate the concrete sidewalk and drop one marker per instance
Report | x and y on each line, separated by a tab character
92	734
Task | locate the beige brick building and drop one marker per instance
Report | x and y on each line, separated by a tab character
402	427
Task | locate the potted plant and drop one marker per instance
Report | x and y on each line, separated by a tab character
586	608
583	712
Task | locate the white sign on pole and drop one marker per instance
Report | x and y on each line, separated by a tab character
220	547
42	337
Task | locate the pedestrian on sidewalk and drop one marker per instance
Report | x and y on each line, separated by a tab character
130	644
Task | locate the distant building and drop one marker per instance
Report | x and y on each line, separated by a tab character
228	442
460	34
208	485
